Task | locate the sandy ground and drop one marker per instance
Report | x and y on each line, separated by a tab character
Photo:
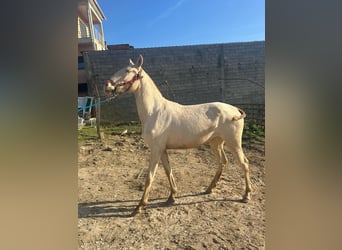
111	180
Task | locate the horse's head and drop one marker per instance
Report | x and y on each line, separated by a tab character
126	79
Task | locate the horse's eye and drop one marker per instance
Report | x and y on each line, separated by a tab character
127	71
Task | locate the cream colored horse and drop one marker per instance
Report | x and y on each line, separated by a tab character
169	125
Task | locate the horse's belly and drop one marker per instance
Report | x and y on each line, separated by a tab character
187	142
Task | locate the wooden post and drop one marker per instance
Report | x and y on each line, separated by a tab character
98	110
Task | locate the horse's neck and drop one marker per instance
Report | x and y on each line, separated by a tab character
147	97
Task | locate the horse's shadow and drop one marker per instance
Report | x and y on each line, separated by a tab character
126	208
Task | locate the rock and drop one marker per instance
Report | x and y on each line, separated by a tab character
119	143
124	132
107	149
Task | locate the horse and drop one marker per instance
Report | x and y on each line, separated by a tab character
170	125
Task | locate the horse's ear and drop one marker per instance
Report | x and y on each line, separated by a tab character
131	62
140	61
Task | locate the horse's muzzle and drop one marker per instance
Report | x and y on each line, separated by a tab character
110	89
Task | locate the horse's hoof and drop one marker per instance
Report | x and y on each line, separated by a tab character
246	198
137	210
171	200
208	191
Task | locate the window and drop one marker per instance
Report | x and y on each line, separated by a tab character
81	64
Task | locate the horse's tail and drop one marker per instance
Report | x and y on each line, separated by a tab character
243	115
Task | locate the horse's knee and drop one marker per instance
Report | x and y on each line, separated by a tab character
245	167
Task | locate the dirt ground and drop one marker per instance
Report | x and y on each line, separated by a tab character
111	179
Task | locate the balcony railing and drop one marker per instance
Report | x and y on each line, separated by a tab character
83	30
84	35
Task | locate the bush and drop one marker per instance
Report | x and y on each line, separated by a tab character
253	131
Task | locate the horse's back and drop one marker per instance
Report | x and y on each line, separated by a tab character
192	125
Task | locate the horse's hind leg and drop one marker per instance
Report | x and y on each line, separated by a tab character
217	148
168	172
243	161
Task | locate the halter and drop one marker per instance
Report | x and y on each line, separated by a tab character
138	76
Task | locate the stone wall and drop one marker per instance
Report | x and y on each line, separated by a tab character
228	72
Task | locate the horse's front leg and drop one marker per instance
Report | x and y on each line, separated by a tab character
154	160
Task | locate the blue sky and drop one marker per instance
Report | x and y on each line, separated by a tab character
152	23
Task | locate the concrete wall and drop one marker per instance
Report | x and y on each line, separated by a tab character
229	72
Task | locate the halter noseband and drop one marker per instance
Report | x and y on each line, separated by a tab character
138	76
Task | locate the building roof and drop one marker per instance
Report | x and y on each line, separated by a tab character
95	5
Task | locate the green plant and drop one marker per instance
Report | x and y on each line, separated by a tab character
90	133
253	131
132	128
87	133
